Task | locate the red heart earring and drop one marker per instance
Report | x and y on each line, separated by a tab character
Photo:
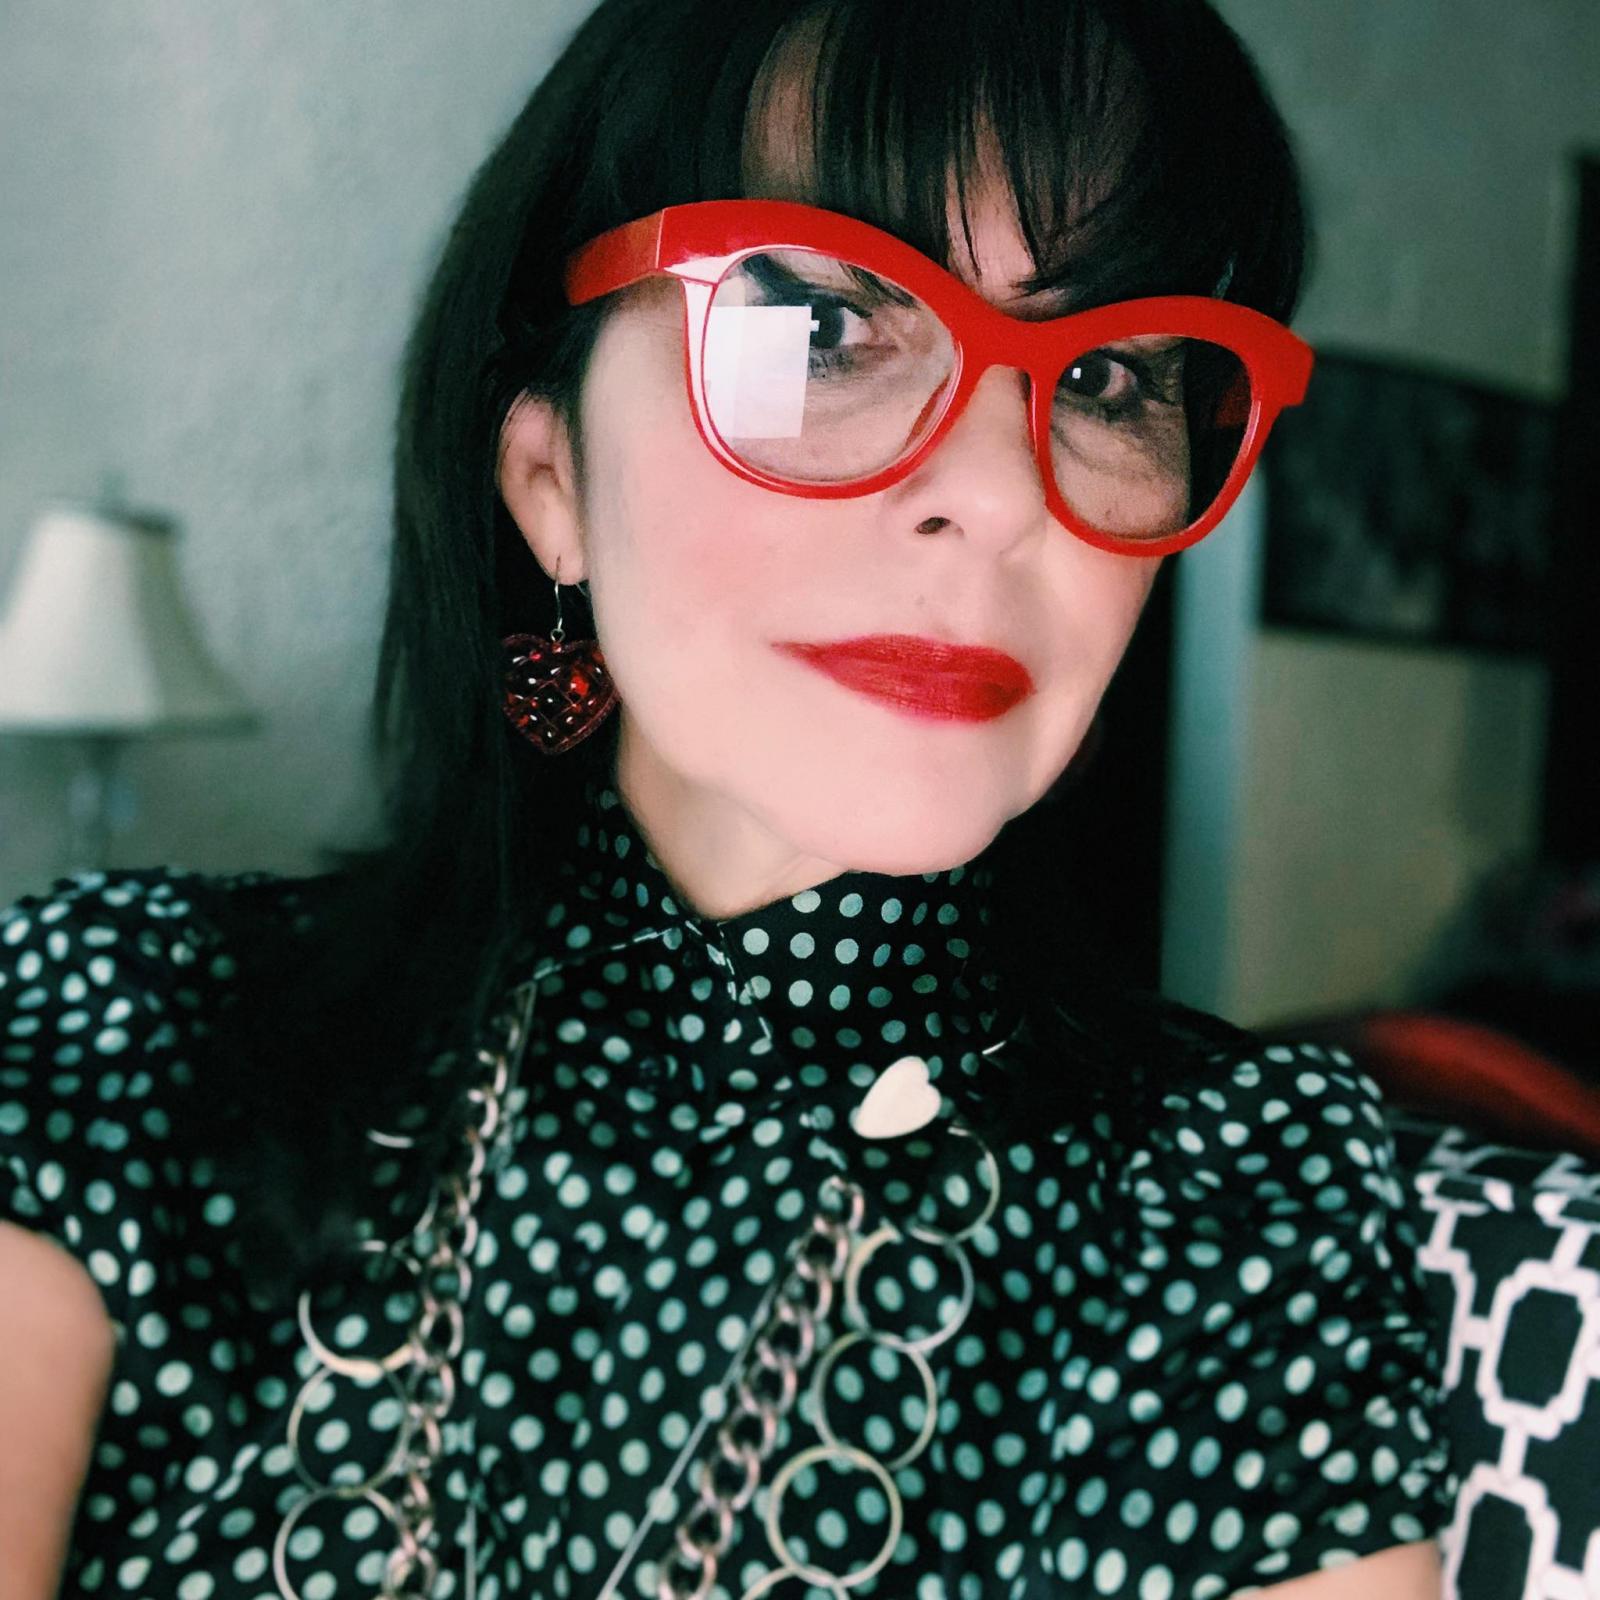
556	694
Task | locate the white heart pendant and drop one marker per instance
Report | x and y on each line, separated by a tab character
900	1102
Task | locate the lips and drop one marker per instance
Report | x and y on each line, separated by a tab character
922	677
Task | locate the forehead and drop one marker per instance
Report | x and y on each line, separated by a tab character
989	252
987	247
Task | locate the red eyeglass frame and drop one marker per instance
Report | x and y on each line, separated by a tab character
699	243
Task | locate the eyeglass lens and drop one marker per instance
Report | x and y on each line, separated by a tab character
818	372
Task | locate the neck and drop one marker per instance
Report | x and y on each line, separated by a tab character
722	859
801	991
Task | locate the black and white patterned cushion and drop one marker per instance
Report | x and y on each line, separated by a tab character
1510	1251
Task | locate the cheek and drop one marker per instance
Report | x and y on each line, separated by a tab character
686	559
1126	587
679	559
637	440
1097	599
1125	485
689	560
1093	603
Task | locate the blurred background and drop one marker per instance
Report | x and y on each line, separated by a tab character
1340	730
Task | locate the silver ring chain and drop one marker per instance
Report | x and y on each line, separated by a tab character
727	1478
833	1253
443	1241
440	1244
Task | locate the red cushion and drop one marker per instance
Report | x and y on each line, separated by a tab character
1468	1072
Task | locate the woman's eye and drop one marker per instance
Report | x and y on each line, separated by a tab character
835	324
1097	376
1123	385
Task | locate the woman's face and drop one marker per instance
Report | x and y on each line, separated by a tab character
759	772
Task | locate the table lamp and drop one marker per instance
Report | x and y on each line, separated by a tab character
97	645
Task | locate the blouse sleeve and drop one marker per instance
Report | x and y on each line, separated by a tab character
1301	1385
101	981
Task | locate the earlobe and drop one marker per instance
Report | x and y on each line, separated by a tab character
537	477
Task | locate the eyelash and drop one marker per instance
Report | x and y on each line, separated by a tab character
822	361
1147	385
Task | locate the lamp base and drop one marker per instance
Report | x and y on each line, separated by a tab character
99	803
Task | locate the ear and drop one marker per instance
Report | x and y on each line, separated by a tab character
539	483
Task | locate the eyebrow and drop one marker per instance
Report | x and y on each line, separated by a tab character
774	277
1069	286
1059	288
1074	284
1040	305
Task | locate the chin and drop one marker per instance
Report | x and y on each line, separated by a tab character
903	841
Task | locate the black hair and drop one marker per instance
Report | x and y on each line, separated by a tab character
1144	157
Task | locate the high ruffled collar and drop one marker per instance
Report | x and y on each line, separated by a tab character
812	993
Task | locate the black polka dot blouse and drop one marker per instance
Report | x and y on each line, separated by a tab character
998	1404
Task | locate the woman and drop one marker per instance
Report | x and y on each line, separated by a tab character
684	1160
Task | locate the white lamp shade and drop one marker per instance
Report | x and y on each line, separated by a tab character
96	637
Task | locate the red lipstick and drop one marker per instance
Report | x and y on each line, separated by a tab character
922	677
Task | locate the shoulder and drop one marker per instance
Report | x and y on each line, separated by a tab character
1268	1184
1216	1117
104	976
1277	1125
1288	1331
149	930
102	969
108	981
1271	1166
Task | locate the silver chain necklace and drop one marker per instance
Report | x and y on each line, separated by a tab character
828	1256
831	1256
440	1243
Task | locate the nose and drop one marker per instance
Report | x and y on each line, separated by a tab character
983	477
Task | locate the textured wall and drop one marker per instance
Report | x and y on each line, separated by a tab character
215	219
1437	144
1381	783
1435	139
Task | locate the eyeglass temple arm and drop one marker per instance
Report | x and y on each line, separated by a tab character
615	259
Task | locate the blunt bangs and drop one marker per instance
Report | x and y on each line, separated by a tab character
1140	150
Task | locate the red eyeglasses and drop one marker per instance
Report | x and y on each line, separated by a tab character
828	358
